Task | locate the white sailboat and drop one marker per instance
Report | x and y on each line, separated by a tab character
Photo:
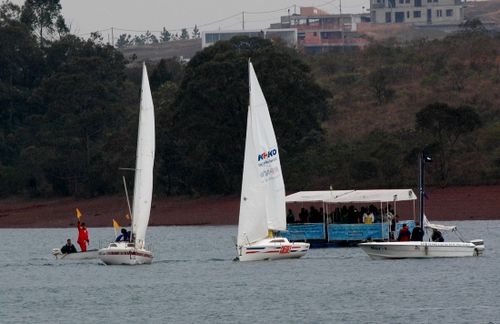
262	205
135	252
421	248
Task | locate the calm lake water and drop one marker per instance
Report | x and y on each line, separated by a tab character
194	280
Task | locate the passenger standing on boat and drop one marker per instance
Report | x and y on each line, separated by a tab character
124	236
368	217
303	215
437	236
394	221
404	233
68	247
83	236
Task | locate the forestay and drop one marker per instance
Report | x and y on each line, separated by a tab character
143	182
262	205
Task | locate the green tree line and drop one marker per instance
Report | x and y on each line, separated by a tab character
126	40
69	111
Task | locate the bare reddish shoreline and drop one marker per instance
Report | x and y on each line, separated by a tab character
454	203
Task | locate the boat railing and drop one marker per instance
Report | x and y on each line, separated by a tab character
103	244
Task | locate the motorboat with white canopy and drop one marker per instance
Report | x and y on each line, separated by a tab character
327	230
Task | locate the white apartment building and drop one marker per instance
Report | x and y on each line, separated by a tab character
417	12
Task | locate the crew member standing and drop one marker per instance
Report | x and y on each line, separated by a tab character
83	236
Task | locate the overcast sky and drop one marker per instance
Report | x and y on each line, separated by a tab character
85	16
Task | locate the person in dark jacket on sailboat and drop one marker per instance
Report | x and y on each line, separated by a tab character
404	233
124	236
68	248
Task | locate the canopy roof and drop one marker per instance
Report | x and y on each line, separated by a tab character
353	196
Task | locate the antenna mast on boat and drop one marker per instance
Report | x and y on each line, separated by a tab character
423	158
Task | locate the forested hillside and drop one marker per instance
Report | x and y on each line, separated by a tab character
69	112
392	100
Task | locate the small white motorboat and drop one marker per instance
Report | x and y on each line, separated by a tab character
420	248
262	205
87	255
135	252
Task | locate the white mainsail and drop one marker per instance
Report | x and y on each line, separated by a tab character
262	205
143	182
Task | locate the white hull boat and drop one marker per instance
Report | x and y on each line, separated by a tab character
87	255
272	249
134	252
125	253
418	249
262	205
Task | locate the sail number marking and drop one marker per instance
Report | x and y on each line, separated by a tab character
285	249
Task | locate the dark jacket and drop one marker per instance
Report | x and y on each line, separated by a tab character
123	237
68	249
417	234
437	236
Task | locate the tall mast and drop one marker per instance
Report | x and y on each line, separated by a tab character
423	158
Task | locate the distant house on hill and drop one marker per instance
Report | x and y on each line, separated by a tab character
417	12
312	31
319	31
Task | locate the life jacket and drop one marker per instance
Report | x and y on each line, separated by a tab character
404	234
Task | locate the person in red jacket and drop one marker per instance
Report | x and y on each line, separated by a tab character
83	236
404	233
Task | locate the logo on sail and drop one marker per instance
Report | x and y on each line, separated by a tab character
267	155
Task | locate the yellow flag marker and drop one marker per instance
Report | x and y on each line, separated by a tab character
78	214
116	226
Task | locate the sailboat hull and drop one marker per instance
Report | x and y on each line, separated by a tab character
402	250
125	254
272	249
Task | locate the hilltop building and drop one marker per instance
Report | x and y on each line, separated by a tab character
319	31
313	31
417	12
